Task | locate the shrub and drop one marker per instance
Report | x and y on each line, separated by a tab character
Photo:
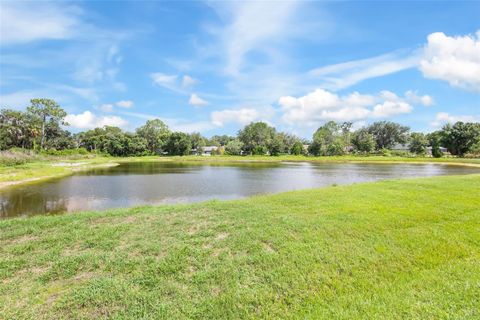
67	152
234	147
16	156
335	149
385	152
297	148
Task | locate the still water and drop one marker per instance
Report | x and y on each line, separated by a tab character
135	184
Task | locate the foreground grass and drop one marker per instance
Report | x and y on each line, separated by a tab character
39	170
388	250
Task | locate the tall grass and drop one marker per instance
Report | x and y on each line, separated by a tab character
18	156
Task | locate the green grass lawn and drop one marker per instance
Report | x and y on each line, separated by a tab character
402	249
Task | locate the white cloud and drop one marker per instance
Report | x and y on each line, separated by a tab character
124	104
22	22
322	105
414	98
241	116
88	120
453	59
391	108
109	107
188	81
196	101
106	107
443	118
165	80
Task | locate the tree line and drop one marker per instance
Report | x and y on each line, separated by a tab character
41	128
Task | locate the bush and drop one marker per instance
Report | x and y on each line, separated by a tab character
436	152
234	147
385	152
16	156
259	151
335	149
66	152
297	148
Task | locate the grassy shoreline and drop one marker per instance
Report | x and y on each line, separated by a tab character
55	168
403	249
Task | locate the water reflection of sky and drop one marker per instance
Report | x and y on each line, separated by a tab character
158	183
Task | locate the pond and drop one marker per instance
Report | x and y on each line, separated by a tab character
133	184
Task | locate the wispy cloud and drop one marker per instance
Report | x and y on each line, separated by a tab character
100	64
346	74
167	81
124	104
64	94
110	107
21	99
196	101
252	26
188	81
22	22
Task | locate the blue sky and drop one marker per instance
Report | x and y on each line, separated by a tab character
213	67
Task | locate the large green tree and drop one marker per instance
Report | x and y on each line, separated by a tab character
197	142
363	141
178	144
156	133
257	138
58	138
328	140
18	129
91	139
46	110
435	141
234	147
114	142
418	143
218	141
387	134
460	138
297	148
286	141
12	129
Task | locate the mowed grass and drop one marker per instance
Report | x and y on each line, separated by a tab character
402	249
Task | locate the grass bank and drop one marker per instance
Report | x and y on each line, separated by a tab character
53	168
58	167
403	249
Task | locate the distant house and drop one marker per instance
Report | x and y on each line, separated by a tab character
400	147
442	149
406	147
207	151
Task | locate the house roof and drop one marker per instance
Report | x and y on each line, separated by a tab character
399	146
210	148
